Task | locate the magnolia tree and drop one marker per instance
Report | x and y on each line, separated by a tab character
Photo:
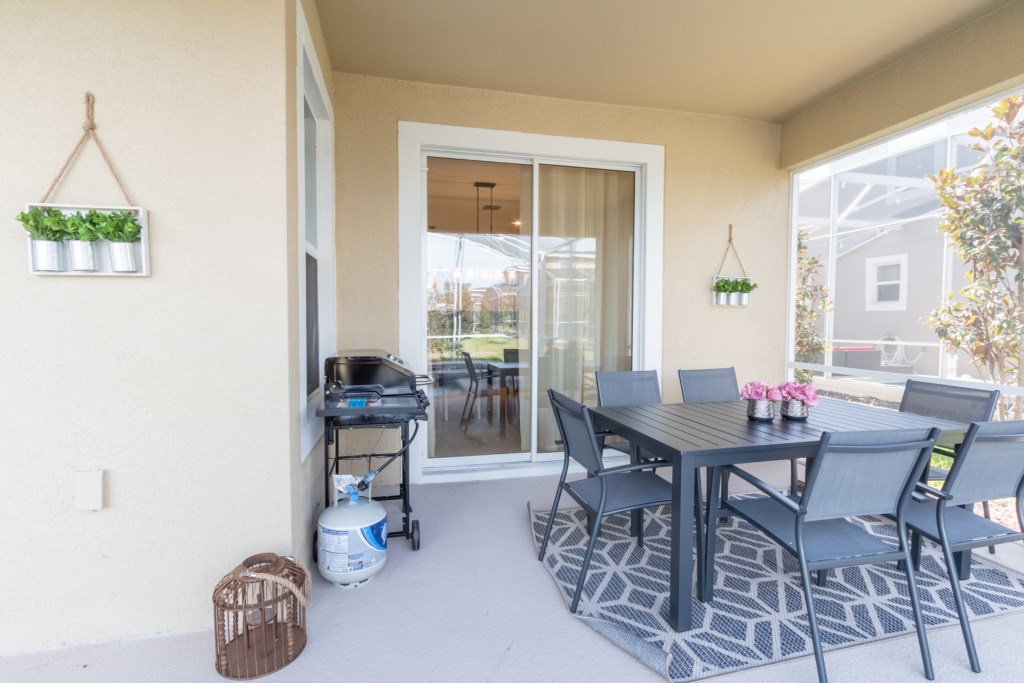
982	213
811	302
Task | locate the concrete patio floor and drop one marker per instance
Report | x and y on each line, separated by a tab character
474	604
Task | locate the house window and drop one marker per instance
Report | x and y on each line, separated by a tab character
886	283
316	268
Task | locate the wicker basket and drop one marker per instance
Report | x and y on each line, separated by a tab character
259	612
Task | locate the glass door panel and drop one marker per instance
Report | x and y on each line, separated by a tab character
479	217
584	283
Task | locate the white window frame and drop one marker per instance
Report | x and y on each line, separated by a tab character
871	283
311	88
414	139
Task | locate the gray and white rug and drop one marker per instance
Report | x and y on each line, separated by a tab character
758	614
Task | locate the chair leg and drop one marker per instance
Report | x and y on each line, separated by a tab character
919	620
812	622
988	515
961	609
586	564
822	577
551	522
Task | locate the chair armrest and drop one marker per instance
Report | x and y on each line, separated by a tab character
765	488
627	468
922	488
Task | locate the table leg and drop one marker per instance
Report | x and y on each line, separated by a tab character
707	588
636	520
680	609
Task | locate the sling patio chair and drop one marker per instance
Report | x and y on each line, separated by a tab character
954	403
605	491
988	466
852	474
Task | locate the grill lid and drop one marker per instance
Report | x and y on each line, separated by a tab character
370	371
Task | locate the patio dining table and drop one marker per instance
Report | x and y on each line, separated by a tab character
695	435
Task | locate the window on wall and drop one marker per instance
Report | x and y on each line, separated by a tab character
873	267
316	298
886	278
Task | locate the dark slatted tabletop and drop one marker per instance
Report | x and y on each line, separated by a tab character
694	435
719	433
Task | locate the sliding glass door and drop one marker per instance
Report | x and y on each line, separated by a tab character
491	252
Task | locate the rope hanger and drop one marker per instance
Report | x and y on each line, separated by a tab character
89	128
731	247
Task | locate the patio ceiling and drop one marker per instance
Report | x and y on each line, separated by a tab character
745	58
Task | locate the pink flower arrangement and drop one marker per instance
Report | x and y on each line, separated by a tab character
761	391
795	391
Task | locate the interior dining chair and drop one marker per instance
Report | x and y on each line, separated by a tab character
988	466
474	388
605	491
852	474
953	403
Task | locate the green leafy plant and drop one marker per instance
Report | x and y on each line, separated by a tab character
745	286
811	303
45	224
723	285
84	228
983	215
118	226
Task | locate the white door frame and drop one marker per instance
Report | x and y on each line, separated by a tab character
416	138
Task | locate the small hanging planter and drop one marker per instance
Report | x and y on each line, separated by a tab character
729	290
65	239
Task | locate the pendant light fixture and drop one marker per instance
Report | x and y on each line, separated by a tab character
486	207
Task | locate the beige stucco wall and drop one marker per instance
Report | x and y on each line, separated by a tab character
179	385
718	171
979	60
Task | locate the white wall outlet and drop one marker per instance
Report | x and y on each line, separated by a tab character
88	489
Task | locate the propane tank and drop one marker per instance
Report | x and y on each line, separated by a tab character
352	536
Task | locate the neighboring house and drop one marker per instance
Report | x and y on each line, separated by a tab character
264	172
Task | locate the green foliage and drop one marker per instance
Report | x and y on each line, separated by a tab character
811	303
983	212
49	223
728	285
119	226
45	224
84	228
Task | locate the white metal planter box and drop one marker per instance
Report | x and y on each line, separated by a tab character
109	258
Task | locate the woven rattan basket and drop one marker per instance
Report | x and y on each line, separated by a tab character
259	612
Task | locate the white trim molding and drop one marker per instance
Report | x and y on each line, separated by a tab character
872	283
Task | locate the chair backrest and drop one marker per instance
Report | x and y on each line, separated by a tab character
709	385
470	368
989	465
511	355
628	388
865	473
948	402
577	430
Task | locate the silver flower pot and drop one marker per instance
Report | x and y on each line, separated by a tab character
721	298
794	410
122	257
760	410
83	255
744	298
734	298
46	256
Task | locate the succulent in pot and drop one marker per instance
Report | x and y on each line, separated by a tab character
723	286
122	230
83	233
745	287
47	228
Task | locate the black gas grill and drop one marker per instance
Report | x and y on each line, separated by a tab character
373	389
370	387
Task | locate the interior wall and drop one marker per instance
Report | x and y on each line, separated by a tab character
718	171
174	384
977	61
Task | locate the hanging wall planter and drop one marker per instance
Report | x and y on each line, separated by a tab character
728	290
92	240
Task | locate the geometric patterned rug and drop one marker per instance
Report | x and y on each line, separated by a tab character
758	615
